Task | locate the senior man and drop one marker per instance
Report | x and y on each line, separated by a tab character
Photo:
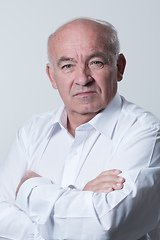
89	170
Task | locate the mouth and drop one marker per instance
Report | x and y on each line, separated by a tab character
85	94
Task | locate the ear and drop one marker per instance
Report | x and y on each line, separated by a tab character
121	63
50	74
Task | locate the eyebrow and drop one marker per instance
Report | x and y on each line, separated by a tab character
65	59
97	54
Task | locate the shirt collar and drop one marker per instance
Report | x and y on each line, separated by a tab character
104	122
60	117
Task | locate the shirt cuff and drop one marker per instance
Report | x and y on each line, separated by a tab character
26	189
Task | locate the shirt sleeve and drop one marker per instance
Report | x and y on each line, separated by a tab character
126	214
14	223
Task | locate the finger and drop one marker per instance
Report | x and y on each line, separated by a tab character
112	171
113	182
120	179
118	186
108	189
114	186
109	179
103	190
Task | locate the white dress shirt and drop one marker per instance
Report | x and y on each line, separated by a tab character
123	137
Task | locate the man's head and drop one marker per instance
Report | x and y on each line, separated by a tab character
105	29
85	65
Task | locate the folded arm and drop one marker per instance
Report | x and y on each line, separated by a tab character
22	225
68	213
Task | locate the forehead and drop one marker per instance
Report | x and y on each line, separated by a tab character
80	37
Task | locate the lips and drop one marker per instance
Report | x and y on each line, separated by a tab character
84	93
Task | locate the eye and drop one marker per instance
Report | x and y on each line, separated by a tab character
67	66
97	64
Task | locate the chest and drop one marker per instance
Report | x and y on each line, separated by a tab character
74	161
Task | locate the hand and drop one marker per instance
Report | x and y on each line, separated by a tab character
106	182
29	174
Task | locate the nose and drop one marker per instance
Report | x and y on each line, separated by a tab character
83	77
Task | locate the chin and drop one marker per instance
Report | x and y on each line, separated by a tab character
90	110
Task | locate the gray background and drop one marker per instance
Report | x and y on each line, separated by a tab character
24	29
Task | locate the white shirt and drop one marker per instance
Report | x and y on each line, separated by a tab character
123	137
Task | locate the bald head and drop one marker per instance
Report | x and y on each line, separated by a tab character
104	30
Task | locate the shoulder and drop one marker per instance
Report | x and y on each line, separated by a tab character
46	118
39	125
137	115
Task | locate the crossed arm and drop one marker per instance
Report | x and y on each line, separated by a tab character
87	211
66	213
105	182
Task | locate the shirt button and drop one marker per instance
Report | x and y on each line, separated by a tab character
73	153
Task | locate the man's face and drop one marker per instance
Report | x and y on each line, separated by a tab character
82	72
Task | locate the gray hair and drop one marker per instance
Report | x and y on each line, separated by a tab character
110	33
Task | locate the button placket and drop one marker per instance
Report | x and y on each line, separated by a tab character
72	160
